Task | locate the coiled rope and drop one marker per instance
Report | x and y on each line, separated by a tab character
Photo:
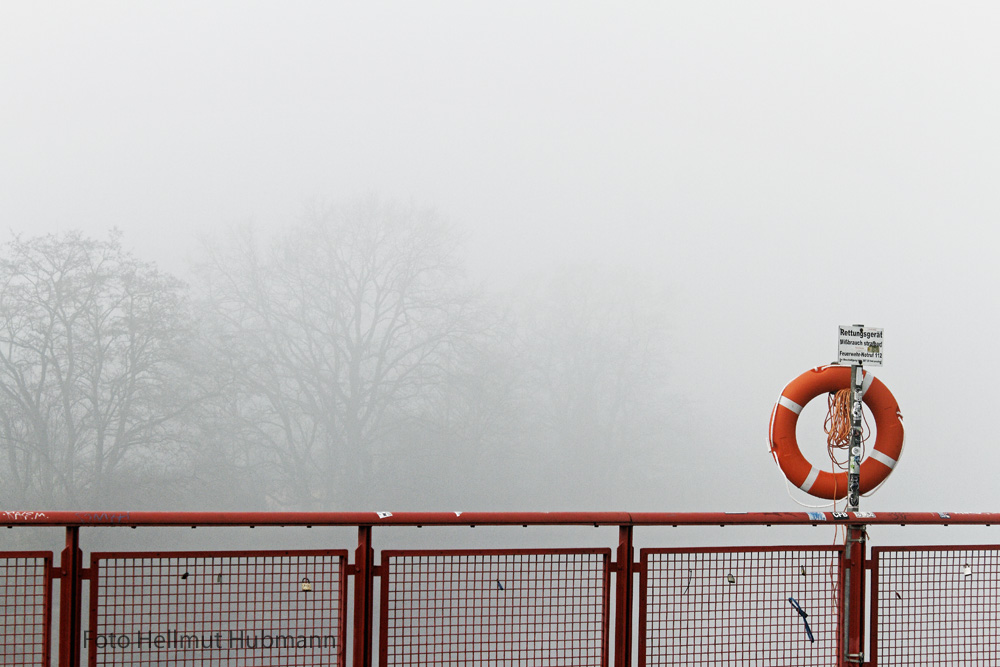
837	427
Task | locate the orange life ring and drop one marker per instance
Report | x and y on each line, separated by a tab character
879	462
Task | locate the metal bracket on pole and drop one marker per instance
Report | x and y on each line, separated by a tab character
854	460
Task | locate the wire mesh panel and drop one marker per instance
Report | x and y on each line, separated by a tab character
25	605
232	609
936	605
495	607
767	606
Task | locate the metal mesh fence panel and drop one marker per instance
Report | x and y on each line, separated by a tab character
25	605
493	607
936	605
232	609
734	606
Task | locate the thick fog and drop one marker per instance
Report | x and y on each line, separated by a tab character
475	256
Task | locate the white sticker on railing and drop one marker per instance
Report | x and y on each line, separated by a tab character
384	515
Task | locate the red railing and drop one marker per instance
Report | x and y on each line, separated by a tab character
216	608
936	605
769	605
487	606
26	581
577	605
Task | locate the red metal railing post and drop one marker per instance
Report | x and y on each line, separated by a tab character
70	599
623	598
363	590
873	649
853	607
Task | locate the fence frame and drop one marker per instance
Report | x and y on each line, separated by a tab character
644	591
71	573
49	574
383	571
875	566
92	574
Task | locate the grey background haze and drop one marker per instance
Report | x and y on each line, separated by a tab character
775	169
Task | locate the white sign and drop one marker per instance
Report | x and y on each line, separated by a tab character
860	345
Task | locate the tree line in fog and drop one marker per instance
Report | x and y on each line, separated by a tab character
345	363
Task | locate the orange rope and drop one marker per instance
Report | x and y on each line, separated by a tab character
837	427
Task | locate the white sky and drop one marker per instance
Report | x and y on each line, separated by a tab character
779	167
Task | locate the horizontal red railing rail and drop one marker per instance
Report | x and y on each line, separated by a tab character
129	519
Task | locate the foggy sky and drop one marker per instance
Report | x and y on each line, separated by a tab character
779	168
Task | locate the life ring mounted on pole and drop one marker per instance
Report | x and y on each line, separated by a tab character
785	415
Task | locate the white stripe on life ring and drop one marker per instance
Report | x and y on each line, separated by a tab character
790	404
810	480
883	459
866	383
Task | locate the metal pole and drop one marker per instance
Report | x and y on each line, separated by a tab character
363	623
854	459
854	548
853	611
71	563
623	598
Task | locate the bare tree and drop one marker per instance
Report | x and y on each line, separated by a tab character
92	368
338	334
456	453
593	343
